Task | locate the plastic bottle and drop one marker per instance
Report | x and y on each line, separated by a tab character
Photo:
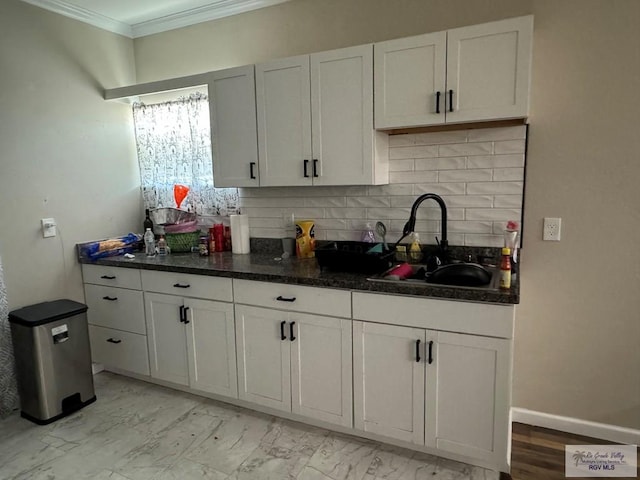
162	245
505	269
415	249
368	235
147	221
149	243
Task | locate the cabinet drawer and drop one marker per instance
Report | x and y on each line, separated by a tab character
117	308
117	349
295	298
187	285
112	276
462	317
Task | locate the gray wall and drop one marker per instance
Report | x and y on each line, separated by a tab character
65	152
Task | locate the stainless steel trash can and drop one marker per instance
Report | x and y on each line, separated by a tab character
53	359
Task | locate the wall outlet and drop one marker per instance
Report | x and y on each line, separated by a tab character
551	230
48	227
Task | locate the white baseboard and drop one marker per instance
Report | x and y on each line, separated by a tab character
96	368
576	426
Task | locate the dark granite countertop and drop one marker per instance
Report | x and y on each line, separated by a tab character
265	267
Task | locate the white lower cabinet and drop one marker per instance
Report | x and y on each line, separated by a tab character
295	362
191	342
444	390
119	349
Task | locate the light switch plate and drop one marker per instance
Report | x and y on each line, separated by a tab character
48	227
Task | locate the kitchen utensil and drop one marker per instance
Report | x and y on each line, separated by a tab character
381	230
179	193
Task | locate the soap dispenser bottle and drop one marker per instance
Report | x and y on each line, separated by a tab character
368	235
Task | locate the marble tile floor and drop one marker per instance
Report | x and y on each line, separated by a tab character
138	431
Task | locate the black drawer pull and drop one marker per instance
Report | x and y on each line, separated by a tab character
186	309
108	277
111	340
430	352
280	298
251	174
111	299
306	168
451	100
181	314
291	336
315	167
437	102
282	335
417	351
179	285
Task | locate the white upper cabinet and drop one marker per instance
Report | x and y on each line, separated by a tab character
315	120
284	121
409	73
487	75
233	127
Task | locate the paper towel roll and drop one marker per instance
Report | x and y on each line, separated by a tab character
239	233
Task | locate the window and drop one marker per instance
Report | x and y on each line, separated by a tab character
174	148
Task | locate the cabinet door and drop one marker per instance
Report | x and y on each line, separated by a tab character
284	121
321	368
264	375
211	347
409	74
118	308
389	381
118	349
234	134
467	410
488	69
166	338
342	109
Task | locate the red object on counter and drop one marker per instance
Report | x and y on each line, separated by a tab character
227	238
212	241
218	234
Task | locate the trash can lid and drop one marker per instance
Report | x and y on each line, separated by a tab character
46	312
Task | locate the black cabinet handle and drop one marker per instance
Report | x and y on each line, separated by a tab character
291	336
417	351
315	167
280	298
306	168
451	100
251	174
437	102
111	340
111	299
430	361
179	285
108	277
186	309
181	313
282	335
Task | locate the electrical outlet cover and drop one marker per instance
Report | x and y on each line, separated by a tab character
551	230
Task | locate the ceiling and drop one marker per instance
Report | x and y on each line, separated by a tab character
137	18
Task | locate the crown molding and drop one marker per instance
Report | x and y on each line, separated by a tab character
213	11
87	16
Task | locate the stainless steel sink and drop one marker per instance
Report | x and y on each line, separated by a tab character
456	277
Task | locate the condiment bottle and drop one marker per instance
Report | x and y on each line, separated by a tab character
505	269
162	246
204	246
212	241
218	233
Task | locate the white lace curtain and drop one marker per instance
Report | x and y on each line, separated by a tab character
8	386
174	148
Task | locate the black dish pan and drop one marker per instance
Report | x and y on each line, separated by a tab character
460	274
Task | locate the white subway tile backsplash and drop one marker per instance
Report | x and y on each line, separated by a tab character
401	165
495	188
474	175
465	149
368	202
440	188
450	163
495	134
492	213
478	172
496	161
508	174
413	152
509	146
413	177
